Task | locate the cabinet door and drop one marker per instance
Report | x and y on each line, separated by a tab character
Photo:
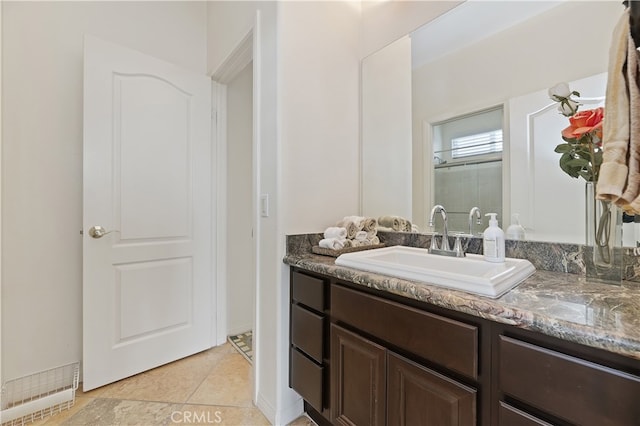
419	396
358	385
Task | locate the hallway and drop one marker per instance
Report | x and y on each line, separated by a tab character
212	387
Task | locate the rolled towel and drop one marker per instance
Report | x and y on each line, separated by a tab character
351	228
335	232
373	240
394	222
414	228
361	236
372	234
331	243
369	224
357	220
348	243
384	229
407	226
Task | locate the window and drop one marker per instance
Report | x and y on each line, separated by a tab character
467	165
477	144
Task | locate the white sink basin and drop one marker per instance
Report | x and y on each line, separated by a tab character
471	273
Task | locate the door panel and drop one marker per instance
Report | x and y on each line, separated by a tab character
419	396
147	179
359	377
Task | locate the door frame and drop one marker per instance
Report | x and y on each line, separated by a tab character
244	52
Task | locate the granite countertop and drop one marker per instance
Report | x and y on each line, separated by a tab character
563	305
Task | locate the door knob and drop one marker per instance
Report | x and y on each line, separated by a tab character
98	231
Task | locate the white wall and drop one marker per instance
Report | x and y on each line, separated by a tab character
42	60
240	263
386	21
319	102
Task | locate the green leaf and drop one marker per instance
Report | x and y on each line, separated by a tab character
565	159
586	176
578	162
562	148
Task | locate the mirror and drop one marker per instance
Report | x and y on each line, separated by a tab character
478	56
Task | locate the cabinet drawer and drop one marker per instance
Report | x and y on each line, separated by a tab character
510	416
306	379
449	343
308	290
570	388
307	332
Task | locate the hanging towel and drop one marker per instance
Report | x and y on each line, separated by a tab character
633	182
615	141
335	232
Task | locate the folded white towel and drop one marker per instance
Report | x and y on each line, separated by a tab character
335	232
331	243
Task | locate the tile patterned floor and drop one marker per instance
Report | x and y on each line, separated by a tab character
212	387
243	342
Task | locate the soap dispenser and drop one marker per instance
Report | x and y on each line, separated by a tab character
515	231
493	241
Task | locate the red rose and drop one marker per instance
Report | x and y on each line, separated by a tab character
589	121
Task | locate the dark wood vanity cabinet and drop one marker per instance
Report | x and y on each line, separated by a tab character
375	385
366	357
309	346
542	380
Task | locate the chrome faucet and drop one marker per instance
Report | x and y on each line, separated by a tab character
476	211
444	247
445	233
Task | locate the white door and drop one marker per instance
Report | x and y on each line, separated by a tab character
147	285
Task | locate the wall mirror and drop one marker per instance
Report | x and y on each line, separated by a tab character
484	56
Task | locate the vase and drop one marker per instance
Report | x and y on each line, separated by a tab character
603	251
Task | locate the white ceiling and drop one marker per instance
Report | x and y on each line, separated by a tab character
468	23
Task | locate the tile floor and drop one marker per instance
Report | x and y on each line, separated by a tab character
212	387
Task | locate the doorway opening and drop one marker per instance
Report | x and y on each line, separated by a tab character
239	210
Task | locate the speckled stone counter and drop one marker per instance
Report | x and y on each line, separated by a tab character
559	304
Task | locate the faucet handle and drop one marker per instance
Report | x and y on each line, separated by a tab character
457	247
434	243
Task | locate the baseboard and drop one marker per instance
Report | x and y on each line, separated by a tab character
267	409
290	413
232	331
